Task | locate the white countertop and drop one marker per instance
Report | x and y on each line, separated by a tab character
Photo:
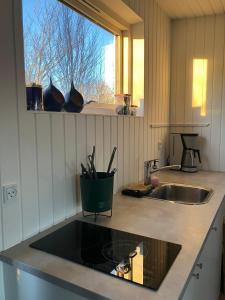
187	225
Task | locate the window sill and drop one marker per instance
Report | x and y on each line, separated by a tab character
79	114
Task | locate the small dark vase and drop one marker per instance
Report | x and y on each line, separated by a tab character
74	100
53	98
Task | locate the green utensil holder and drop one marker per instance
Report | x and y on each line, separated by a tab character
97	194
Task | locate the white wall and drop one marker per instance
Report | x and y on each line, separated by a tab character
202	37
42	152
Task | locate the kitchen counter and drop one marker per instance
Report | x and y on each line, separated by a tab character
187	225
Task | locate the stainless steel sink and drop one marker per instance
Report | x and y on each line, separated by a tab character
181	193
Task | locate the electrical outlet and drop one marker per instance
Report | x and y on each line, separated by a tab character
10	193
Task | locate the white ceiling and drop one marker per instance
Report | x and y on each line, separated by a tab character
192	8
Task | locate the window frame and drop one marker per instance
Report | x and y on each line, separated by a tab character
19	47
105	23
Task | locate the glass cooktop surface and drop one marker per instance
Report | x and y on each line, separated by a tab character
138	259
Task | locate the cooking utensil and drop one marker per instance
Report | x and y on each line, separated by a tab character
93	154
93	170
111	160
89	170
84	171
112	173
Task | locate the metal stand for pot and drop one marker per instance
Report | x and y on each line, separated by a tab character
97	214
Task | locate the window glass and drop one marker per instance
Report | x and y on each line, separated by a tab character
63	45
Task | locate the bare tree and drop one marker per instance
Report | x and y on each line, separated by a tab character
40	52
66	46
78	49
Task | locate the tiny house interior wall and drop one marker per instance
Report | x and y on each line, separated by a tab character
202	39
42	152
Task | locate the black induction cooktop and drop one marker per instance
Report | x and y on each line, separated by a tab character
138	259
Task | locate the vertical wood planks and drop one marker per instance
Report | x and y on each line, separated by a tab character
131	134
107	142
99	132
205	39
81	134
44	168
120	150
91	134
70	164
44	151
27	139
126	151
141	151
217	89
137	134
209	54
11	221
114	143
58	167
28	163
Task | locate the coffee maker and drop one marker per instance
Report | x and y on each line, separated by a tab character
191	156
185	150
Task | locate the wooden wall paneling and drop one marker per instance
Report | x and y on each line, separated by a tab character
126	149
114	143
47	148
162	52
199	53
70	164
99	143
181	72
173	87
44	168
26	136
155	77
207	7
120	151
106	142
91	139
218	6
58	167
132	150
190	44
136	149
164	68
192	8
217	89
11	212
209	54
29	180
81	147
141	150
160	98
222	123
205	39
148	88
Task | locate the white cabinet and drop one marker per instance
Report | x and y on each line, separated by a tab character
204	283
20	285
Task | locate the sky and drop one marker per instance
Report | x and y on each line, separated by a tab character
28	11
106	38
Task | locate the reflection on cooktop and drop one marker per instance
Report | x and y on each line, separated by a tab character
138	259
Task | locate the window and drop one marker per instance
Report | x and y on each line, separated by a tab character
62	44
91	46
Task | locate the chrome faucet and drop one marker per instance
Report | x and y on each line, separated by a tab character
150	167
